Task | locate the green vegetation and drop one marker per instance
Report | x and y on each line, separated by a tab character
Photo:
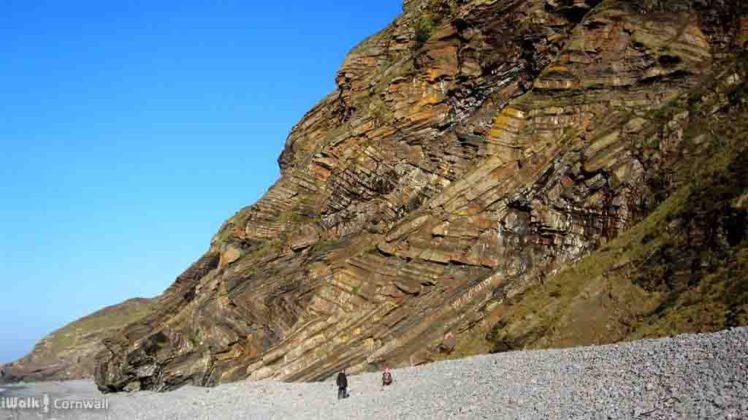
289	217
106	319
270	247
424	28
468	344
715	294
304	212
629	290
570	308
322	247
683	268
377	110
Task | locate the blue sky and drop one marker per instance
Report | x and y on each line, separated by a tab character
129	130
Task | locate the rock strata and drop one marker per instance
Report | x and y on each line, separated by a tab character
473	152
69	353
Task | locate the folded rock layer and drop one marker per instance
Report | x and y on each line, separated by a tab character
473	153
70	352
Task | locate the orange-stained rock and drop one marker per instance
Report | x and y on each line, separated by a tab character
453	167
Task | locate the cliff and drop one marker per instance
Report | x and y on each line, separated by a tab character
69	353
488	175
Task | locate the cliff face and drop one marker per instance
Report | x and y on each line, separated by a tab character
473	152
69	353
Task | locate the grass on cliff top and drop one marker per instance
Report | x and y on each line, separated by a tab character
110	318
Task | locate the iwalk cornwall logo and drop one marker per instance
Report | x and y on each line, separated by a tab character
46	404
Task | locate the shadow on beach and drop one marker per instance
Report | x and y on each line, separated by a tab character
13	390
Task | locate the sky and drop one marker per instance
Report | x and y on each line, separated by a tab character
130	130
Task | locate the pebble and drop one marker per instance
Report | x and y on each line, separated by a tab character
689	376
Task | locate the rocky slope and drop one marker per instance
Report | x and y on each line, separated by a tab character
69	353
439	202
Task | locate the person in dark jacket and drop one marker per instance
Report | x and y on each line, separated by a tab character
342	382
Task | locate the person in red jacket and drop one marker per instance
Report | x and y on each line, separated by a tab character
386	377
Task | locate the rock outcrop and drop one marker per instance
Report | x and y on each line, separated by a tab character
474	152
69	353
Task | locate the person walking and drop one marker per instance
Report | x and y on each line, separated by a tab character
387	377
342	383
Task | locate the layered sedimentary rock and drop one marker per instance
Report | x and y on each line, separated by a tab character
69	353
472	152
